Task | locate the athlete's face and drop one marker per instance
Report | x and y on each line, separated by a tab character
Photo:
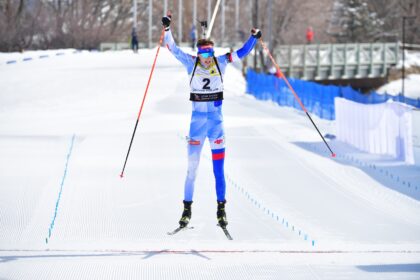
206	58
205	61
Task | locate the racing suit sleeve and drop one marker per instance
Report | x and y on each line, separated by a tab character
186	59
247	47
239	54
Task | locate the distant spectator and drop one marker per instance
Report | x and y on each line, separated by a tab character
134	41
309	35
193	37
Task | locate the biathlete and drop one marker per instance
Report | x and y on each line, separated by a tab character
206	73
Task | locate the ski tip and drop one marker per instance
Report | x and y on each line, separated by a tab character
121	175
333	155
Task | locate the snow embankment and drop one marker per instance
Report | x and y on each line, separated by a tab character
411	87
18	57
412	59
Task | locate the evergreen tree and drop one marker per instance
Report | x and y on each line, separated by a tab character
354	21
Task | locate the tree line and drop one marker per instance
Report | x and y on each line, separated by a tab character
84	24
32	24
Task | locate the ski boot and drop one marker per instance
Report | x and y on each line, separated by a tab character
186	214
221	214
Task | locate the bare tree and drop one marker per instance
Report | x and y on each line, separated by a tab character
86	23
59	23
17	25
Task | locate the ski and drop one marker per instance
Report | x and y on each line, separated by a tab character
178	229
226	232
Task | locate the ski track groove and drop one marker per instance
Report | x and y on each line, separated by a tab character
206	155
90	212
361	196
349	191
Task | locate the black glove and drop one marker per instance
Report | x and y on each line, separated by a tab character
166	22
256	33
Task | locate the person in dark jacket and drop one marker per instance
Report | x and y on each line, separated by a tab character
134	41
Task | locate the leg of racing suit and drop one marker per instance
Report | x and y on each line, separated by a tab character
216	135
194	151
197	136
218	156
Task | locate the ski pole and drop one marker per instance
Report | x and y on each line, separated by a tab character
294	93
144	98
216	8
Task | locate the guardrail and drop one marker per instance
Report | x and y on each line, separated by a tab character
335	61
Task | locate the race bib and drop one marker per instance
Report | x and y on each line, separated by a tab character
206	80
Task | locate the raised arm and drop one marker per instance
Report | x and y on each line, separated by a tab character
186	59
250	44
244	50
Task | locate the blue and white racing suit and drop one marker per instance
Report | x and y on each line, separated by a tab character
206	94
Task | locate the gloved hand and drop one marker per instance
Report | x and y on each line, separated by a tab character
256	33
166	21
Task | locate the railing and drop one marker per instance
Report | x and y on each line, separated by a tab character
110	46
335	61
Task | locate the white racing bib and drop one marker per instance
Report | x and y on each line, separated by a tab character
206	84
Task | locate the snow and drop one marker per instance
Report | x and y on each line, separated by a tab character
412	59
412	81
294	212
17	57
411	87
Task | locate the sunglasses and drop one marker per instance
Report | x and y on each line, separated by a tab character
207	54
206	51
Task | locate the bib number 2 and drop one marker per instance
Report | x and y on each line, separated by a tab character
206	83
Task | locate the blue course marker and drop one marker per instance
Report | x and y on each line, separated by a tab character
61	190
